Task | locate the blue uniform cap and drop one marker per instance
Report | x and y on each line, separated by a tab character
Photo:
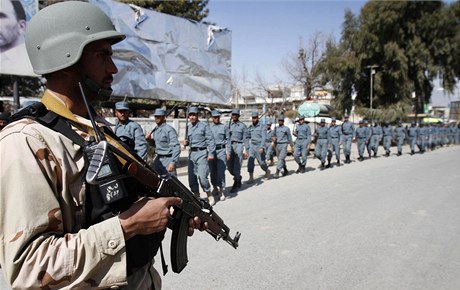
236	111
301	117
366	122
160	112
323	121
255	115
121	106
333	119
346	116
215	113
193	110
281	118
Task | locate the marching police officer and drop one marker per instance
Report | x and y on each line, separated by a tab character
387	137
218	165
129	131
422	136
376	136
282	138
399	135
166	143
348	129
321	142
333	142
362	138
269	142
412	136
303	133
256	134
237	143
202	149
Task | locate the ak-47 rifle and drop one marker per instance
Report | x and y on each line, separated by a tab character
110	164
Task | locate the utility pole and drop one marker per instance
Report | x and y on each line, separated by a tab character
371	75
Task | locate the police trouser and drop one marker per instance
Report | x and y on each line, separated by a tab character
361	142
400	142
374	143
255	154
281	153
421	143
412	141
335	147
269	153
321	149
236	160
161	164
387	143
217	168
301	147
346	141
198	170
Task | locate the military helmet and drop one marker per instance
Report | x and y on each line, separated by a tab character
57	35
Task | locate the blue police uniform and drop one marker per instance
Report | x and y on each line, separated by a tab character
131	131
376	136
202	146
348	129
422	136
362	138
321	143
218	165
334	135
303	134
256	135
269	133
387	138
167	148
400	136
412	137
237	142
283	139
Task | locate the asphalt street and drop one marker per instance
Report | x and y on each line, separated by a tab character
384	223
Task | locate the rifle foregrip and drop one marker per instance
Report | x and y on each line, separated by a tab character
179	258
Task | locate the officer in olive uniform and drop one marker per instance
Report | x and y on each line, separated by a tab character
321	134
167	146
256	134
348	129
269	142
387	137
202	149
362	138
399	135
412	137
129	131
303	133
282	138
237	143
334	135
218	165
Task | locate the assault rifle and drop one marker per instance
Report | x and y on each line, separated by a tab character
110	164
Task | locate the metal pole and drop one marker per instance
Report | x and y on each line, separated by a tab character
16	102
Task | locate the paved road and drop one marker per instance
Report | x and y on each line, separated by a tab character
385	223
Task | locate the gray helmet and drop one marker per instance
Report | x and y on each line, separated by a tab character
57	35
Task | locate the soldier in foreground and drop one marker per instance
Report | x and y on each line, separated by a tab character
63	241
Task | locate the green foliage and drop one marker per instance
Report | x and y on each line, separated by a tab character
411	43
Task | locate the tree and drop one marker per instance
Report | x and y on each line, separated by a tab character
304	67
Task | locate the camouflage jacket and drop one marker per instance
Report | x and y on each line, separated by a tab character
42	244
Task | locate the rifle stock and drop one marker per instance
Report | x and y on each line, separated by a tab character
191	206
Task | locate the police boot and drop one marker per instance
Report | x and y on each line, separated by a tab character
197	194
302	170
251	178
277	174
239	182
285	172
267	174
234	187
322	165
328	163
221	194
412	152
215	190
338	162
299	169
399	153
211	200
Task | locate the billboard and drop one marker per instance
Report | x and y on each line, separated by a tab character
169	58
13	21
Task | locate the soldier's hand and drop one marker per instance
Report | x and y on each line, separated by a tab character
261	150
210	157
148	136
147	216
228	157
195	223
171	167
245	155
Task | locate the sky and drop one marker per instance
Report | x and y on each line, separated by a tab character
264	32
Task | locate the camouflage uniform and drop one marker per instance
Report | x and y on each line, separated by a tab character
42	243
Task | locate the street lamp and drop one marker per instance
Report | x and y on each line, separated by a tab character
353	98
372	73
304	72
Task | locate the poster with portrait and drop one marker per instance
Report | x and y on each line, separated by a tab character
13	22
